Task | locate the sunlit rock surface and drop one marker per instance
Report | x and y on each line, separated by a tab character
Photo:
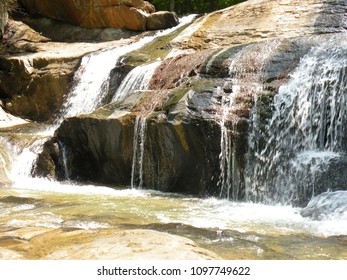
130	14
36	72
98	244
136	245
258	20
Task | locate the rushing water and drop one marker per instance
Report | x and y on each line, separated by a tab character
246	68
233	230
306	133
137	80
91	80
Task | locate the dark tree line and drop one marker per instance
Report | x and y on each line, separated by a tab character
183	7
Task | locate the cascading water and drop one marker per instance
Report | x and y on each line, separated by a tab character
91	80
39	217
91	85
245	70
137	80
306	132
138	152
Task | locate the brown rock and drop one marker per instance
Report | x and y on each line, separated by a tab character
36	77
136	245
129	14
161	20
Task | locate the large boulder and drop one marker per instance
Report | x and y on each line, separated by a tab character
129	14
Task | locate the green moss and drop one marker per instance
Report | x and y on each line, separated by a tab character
157	49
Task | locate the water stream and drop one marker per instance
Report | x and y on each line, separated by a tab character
306	135
35	213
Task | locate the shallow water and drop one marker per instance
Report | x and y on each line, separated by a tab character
233	230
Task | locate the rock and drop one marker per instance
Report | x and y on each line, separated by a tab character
129	14
7	254
21	38
33	85
161	20
226	60
259	20
327	206
3	18
135	245
101	150
58	31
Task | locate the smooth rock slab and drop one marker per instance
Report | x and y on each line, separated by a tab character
136	245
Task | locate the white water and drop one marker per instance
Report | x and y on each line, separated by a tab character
138	152
245	71
137	80
157	207
306	131
91	80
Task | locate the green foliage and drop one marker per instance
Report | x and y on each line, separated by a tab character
182	7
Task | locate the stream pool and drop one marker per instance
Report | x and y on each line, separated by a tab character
232	230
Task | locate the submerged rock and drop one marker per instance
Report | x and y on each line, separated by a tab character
326	206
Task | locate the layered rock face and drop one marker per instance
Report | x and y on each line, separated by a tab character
36	72
129	14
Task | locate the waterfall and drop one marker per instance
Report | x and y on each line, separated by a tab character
23	159
138	152
137	80
245	70
306	131
91	80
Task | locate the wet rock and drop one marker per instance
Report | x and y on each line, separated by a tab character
101	149
33	85
195	96
326	206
